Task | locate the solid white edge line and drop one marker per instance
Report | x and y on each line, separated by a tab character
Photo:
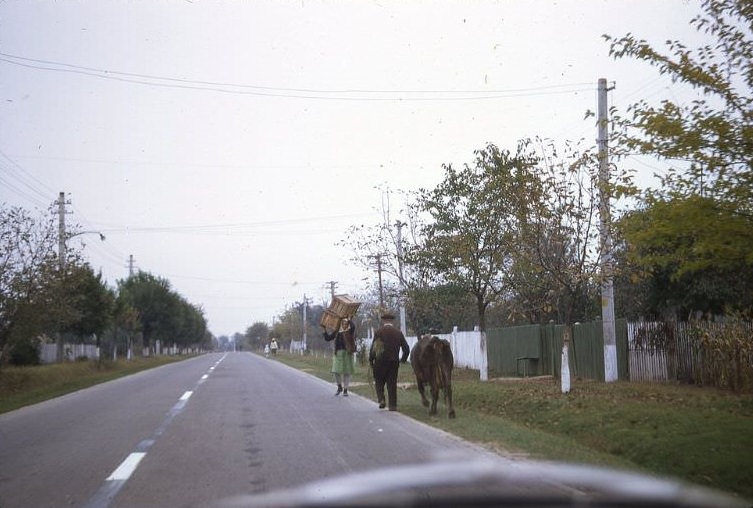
127	467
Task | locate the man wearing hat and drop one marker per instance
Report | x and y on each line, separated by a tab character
384	358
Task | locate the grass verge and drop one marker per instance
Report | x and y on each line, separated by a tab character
22	386
700	435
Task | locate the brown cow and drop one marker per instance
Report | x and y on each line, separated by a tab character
432	363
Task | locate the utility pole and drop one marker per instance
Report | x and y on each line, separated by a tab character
61	231
305	304
379	271
401	300
130	266
381	287
62	255
332	286
606	262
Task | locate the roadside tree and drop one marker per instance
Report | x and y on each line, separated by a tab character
696	229
28	263
469	238
256	335
163	314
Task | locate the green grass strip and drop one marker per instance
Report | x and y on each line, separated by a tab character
700	435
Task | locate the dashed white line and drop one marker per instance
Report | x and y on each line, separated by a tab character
127	467
113	483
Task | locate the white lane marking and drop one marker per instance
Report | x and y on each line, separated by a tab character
205	376
113	483
127	467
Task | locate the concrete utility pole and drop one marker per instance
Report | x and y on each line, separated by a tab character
63	237
607	285
61	265
305	336
61	231
400	273
130	266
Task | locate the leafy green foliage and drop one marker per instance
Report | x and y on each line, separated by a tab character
92	302
438	309
694	232
256	335
695	254
714	133
162	313
475	214
28	266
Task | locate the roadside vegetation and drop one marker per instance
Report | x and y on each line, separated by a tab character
700	435
477	251
22	386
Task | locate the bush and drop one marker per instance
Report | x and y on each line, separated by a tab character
24	352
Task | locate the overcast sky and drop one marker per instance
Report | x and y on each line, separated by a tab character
228	146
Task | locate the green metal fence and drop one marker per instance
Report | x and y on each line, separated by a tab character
536	350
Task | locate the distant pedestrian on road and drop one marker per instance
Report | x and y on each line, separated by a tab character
384	358
273	346
343	366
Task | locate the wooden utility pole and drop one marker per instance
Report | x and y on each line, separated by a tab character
606	262
332	286
378	258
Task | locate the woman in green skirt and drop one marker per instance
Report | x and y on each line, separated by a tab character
343	366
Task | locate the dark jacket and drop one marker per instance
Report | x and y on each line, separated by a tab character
340	338
393	341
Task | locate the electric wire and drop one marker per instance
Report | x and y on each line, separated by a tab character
24	182
295	93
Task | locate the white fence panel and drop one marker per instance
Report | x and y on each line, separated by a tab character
48	352
466	347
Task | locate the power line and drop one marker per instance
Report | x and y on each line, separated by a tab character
227	227
296	93
24	182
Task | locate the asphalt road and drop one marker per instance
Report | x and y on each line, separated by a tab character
194	432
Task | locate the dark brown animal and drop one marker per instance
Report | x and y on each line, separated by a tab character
432	363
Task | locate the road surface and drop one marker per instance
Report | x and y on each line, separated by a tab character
197	431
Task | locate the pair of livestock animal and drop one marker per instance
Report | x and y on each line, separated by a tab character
432	363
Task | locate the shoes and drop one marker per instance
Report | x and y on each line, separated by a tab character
345	392
339	389
381	404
